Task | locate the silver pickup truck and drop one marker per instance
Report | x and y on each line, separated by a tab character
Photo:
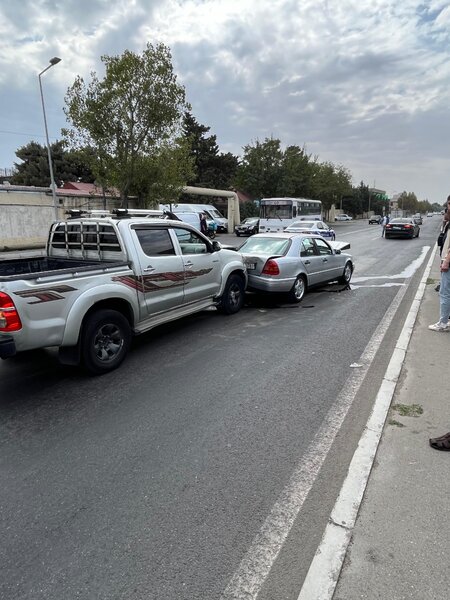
104	279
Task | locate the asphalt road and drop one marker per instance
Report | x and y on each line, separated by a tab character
158	481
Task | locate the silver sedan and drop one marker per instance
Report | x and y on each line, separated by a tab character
291	263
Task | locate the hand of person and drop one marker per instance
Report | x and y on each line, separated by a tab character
445	265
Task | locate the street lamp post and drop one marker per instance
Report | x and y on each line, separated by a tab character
53	61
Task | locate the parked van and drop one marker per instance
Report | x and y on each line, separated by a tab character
188	217
212	214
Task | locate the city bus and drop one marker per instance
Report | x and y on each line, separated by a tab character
277	213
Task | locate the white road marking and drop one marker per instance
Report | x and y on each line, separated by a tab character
376	285
323	574
407	271
355	231
257	562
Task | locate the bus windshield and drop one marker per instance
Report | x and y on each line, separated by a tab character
276	211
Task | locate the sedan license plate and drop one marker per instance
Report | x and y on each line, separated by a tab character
250	266
396	227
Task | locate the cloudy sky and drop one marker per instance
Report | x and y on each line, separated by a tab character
362	83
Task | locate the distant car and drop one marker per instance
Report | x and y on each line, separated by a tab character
375	219
343	218
430	214
315	227
248	226
291	263
418	219
402	227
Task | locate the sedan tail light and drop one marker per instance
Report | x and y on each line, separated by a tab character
408	226
9	317
271	268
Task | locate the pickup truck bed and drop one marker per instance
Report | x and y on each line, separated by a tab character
20	268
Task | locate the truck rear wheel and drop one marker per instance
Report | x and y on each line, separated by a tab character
105	341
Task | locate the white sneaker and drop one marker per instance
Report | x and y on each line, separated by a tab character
439	327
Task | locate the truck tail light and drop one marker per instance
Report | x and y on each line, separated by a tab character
271	268
9	317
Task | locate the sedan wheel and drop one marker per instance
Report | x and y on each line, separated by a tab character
298	290
347	274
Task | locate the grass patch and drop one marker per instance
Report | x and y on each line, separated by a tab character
396	423
431	281
408	410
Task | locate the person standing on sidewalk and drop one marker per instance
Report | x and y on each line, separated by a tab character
444	290
384	222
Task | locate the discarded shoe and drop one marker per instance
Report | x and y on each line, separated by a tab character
439	327
438	287
441	443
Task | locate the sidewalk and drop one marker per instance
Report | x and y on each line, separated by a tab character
400	544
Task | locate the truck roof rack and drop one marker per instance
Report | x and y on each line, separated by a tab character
116	213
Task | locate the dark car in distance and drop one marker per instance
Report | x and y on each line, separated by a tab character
248	226
402	227
375	219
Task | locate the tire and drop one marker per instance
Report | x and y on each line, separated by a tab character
347	274
238	234
105	341
298	290
233	297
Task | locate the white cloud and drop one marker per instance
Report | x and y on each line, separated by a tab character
363	83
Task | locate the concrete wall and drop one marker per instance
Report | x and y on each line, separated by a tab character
26	214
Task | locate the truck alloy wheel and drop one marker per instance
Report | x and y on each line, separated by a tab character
233	296
105	341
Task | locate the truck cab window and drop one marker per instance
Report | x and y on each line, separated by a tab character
190	242
155	242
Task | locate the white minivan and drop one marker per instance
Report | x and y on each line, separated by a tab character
212	214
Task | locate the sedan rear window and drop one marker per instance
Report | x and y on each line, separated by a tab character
265	246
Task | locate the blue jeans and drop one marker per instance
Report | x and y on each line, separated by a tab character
444	297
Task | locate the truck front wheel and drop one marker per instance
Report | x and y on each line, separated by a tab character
105	341
233	296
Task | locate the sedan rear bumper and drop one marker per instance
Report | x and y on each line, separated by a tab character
397	233
260	283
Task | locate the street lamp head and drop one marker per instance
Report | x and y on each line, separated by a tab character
55	60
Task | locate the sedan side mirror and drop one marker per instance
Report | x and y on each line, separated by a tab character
216	246
337	251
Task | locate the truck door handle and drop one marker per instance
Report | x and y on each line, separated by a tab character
307	262
324	259
149	269
188	264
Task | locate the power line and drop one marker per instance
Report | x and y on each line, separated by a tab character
27	134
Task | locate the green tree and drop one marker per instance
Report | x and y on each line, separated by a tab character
132	115
296	174
260	169
34	169
408	202
212	168
330	183
160	177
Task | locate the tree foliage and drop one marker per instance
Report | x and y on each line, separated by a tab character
129	120
212	169
268	171
34	168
